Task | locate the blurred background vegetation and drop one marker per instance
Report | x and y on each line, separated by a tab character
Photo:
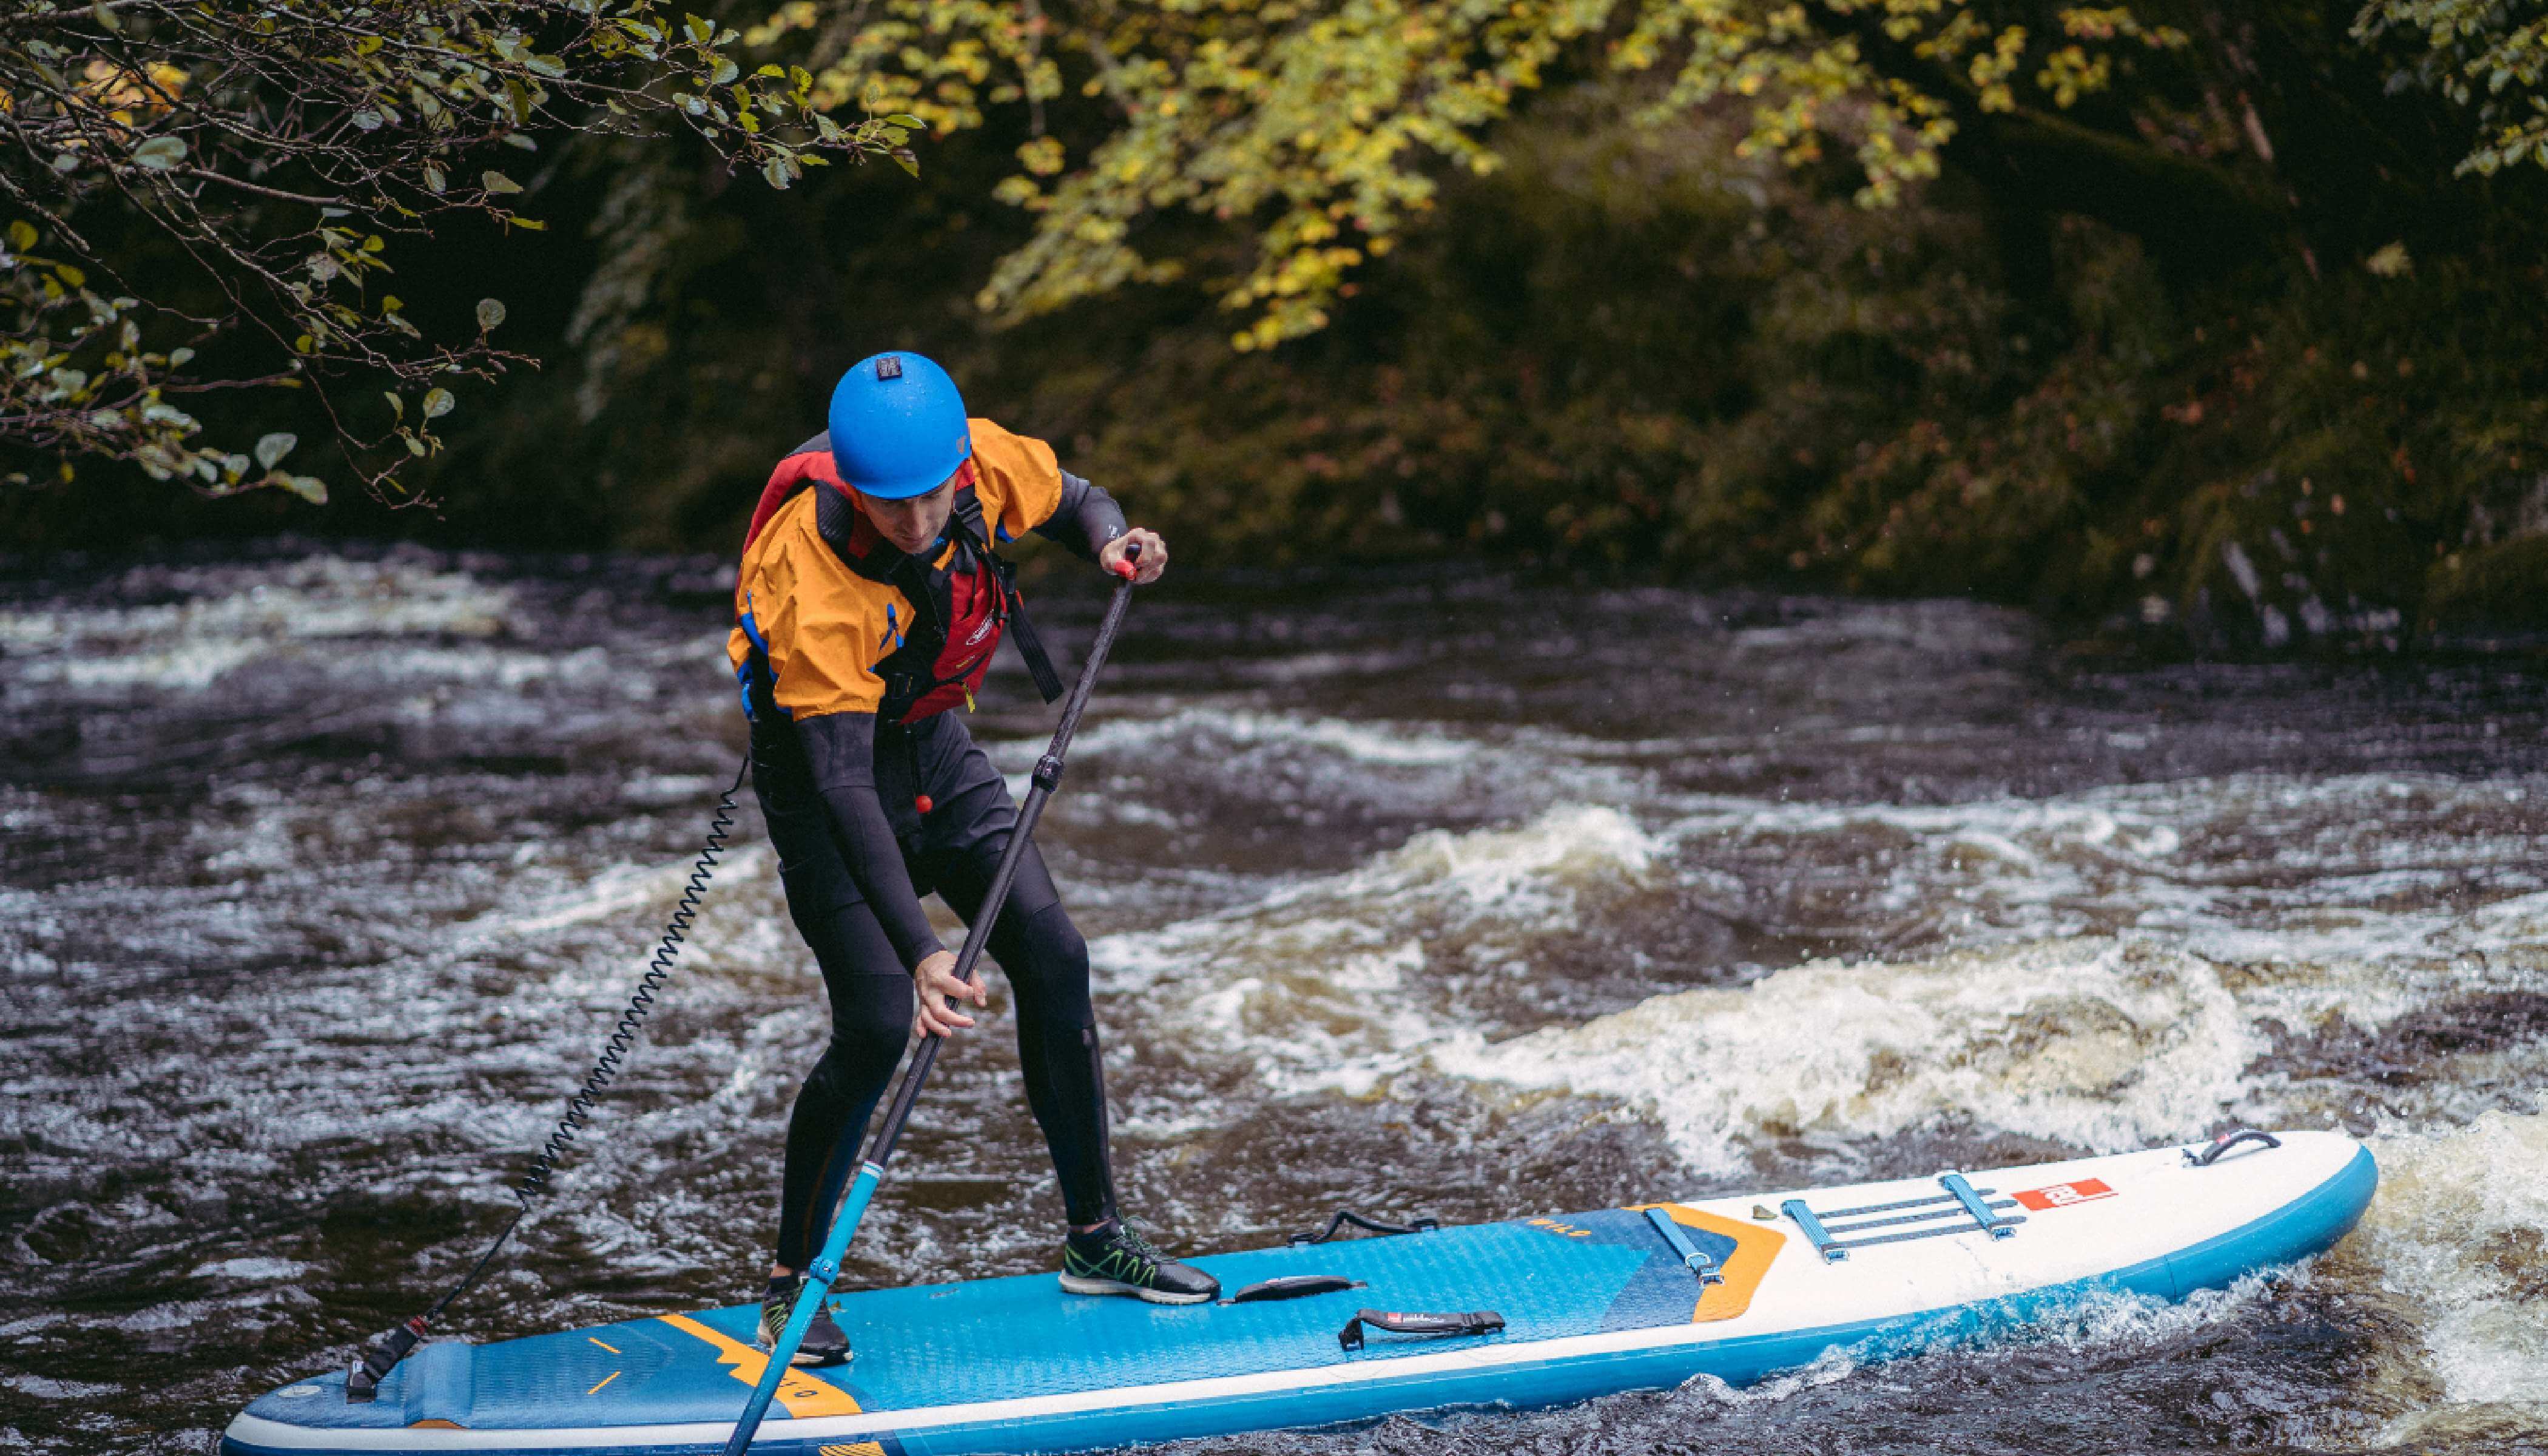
2240	343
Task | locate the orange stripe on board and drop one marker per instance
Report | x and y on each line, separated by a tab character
801	1394
1754	1249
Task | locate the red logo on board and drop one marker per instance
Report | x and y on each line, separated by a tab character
2063	1195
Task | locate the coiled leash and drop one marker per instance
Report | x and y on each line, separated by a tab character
362	1383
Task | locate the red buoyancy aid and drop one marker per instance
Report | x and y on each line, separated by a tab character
960	611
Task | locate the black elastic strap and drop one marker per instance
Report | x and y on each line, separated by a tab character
2227	1140
1363	1221
1399	1322
1030	646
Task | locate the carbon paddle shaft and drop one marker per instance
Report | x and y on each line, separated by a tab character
853	1204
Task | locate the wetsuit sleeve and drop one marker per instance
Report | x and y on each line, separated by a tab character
1086	520
840	750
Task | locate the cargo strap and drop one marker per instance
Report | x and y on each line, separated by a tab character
1396	1321
1962	1207
1692	1257
1363	1221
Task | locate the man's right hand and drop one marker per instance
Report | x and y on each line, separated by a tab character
935	978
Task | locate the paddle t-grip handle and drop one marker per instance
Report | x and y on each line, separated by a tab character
1131	554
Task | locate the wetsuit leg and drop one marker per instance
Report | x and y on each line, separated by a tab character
1046	964
870	996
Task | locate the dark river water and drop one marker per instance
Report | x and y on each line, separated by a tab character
325	870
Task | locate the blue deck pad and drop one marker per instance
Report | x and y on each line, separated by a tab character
1004	1338
998	1339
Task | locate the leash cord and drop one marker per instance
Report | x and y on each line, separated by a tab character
363	1382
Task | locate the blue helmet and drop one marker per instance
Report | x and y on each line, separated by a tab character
898	427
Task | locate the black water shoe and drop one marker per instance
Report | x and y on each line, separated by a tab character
823	1345
1113	1259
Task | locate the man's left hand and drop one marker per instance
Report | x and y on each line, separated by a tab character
1146	567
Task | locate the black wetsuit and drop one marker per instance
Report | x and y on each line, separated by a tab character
840	793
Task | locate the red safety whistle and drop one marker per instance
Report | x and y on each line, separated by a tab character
924	803
1131	554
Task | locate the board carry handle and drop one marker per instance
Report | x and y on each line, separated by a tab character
1405	1322
2227	1140
1364	1221
1291	1287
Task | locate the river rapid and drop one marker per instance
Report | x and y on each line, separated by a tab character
325	870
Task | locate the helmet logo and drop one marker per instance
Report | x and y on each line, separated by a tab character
889	367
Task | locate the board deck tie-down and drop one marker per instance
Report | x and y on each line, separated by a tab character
1960	1208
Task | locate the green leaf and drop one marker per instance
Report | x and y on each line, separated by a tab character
433	178
178	357
903	159
904	119
397	406
272	448
498	182
21	235
490	312
308	486
778	173
159	154
438	402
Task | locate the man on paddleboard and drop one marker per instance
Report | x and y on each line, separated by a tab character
869	601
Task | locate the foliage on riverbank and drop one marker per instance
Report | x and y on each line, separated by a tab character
2243	347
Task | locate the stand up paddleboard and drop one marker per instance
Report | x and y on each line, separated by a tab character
1536	1312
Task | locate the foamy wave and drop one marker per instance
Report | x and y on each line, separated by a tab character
233	615
1324	985
1396	745
2460	1228
2097	1044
